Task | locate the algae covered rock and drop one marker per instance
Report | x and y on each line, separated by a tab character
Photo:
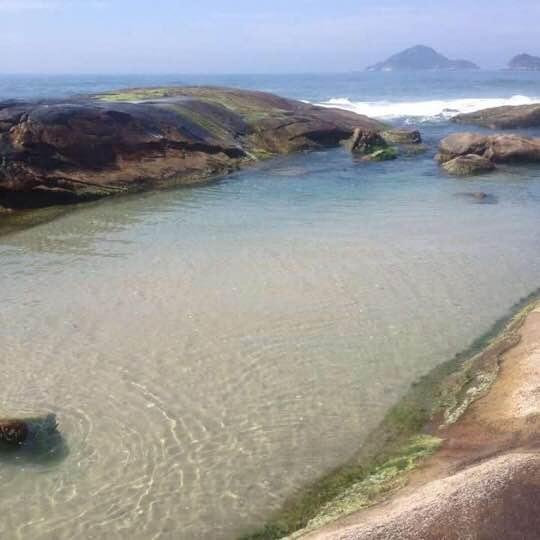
402	136
61	152
370	145
383	154
468	165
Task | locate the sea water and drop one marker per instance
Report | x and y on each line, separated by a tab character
209	351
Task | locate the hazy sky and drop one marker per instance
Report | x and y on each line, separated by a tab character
257	36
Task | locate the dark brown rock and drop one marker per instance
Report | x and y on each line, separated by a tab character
13	432
508	117
83	149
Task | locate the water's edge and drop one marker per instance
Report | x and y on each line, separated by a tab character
404	438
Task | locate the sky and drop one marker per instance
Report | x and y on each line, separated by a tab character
255	36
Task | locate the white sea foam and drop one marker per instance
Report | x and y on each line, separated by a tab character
424	110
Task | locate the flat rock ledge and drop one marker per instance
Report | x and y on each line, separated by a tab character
507	117
459	153
60	152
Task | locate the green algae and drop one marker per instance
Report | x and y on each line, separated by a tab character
383	479
403	439
382	154
137	94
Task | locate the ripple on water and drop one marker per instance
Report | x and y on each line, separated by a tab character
209	351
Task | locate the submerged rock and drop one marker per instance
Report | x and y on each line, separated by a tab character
60	152
467	165
507	117
13	432
479	197
16	432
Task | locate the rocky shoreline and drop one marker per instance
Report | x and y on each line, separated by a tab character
462	443
81	149
484	481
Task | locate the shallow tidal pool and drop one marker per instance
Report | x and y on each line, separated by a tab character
208	351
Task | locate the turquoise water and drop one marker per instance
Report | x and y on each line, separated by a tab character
210	350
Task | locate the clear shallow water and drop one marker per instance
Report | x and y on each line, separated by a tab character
210	350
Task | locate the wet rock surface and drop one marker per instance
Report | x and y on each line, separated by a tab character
13	432
370	145
61	152
472	153
507	117
468	165
36	431
402	136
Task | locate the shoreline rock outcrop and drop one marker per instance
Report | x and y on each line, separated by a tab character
60	152
484	480
507	117
471	153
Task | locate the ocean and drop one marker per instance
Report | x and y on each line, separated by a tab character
210	350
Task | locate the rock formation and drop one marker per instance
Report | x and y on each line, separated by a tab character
508	117
524	62
54	152
460	152
421	57
468	165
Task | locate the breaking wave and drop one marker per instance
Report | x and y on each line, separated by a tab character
424	110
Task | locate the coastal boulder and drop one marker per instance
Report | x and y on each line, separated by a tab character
370	145
507	117
495	148
60	152
402	136
468	165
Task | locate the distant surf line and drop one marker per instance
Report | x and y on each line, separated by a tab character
428	110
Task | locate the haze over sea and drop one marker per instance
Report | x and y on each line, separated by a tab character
210	350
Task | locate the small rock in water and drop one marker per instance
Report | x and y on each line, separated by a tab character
17	431
371	146
13	432
479	197
402	136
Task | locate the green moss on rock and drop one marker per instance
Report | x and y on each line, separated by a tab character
382	154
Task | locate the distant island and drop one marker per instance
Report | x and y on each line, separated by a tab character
524	62
421	58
